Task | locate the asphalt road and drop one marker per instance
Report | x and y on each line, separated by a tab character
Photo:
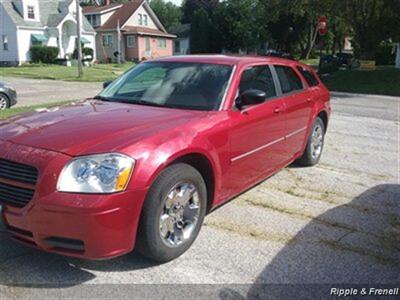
336	223
40	91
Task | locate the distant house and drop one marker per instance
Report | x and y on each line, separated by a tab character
182	42
134	26
34	22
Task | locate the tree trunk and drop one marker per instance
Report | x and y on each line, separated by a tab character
312	37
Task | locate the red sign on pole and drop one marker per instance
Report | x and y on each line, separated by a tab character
323	26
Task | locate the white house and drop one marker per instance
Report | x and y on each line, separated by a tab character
24	23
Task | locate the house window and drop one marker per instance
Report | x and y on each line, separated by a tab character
146	22
94	20
107	40
130	41
140	19
31	12
147	42
162	43
5	42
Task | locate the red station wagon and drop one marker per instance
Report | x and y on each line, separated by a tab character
142	163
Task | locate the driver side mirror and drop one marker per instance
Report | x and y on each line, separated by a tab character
250	97
107	83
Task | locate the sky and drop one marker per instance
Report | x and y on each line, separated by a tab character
177	2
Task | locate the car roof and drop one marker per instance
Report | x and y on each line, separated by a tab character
226	59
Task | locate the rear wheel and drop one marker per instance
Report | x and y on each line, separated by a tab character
315	145
4	102
173	213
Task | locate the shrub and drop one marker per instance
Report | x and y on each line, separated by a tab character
44	54
85	52
384	55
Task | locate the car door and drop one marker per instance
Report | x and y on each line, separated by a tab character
298	102
257	131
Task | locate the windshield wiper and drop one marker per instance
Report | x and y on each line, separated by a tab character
140	102
102	98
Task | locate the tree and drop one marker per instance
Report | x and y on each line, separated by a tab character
310	11
200	32
168	13
189	7
243	24
373	21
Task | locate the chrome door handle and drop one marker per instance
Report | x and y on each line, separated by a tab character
278	110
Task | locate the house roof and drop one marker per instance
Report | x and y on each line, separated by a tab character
99	9
146	31
182	31
51	14
122	14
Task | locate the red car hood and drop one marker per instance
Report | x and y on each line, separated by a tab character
92	126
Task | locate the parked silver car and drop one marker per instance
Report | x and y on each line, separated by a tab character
8	96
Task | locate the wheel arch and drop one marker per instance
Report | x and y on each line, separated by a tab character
205	167
324	117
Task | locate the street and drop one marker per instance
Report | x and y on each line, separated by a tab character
338	222
41	91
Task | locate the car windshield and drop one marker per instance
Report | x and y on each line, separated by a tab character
171	84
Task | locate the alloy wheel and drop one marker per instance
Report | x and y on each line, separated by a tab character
180	214
3	103
317	140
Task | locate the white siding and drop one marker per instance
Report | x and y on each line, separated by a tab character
184	46
24	43
134	19
7	27
104	17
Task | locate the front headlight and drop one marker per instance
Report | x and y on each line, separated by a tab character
96	174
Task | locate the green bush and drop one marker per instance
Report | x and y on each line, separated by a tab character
85	52
384	55
44	54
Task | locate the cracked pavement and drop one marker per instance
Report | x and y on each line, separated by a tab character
338	222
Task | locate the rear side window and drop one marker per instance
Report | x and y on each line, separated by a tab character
289	80
258	78
308	76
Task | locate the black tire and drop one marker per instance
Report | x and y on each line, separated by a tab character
5	97
308	159
149	241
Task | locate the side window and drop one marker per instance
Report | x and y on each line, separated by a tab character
289	80
258	78
308	76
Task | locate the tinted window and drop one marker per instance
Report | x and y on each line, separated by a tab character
258	78
288	78
170	84
308	76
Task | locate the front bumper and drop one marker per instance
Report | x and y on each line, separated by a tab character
85	226
13	97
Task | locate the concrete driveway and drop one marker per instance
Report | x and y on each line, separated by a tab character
40	91
338	222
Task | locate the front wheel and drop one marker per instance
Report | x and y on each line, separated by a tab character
4	102
173	213
315	145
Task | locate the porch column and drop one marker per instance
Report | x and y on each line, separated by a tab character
59	41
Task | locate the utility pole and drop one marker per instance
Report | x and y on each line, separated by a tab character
78	42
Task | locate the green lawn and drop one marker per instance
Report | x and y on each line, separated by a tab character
96	73
19	110
382	81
